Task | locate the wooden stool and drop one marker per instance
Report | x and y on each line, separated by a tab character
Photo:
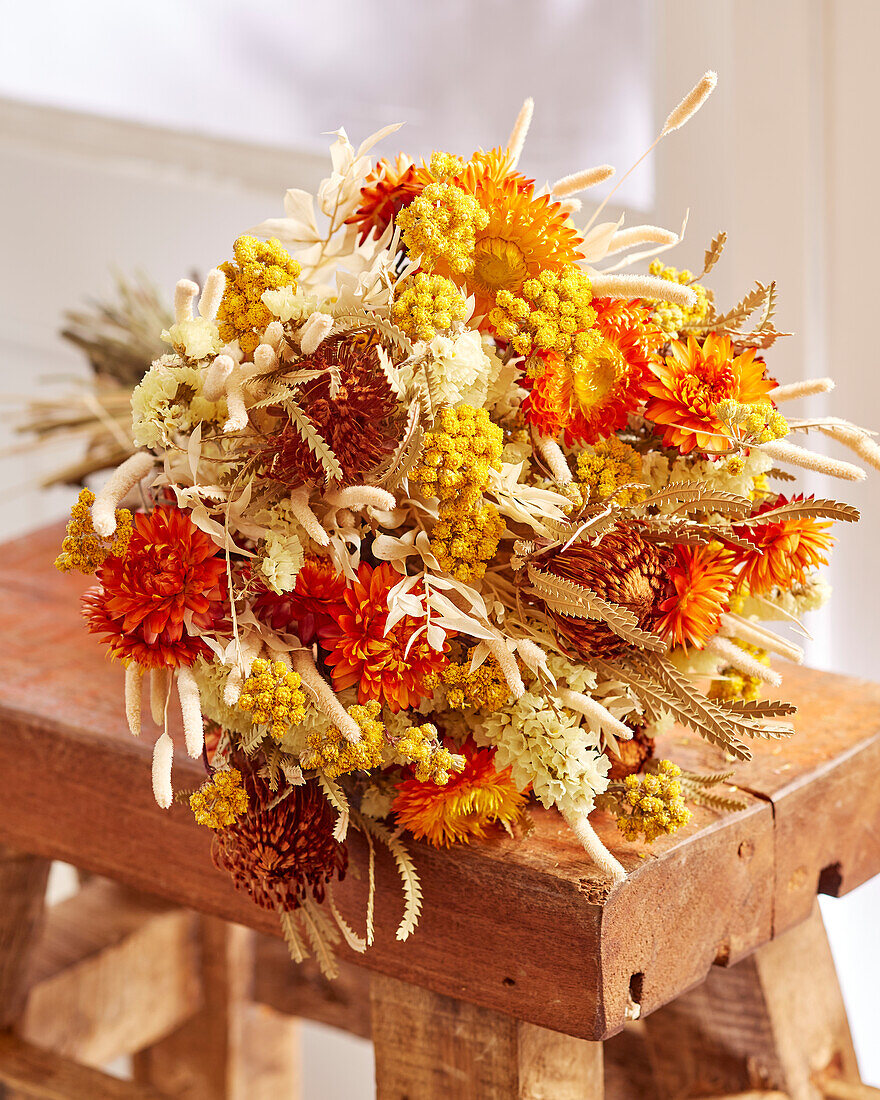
706	973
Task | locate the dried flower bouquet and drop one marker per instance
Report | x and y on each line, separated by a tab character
441	513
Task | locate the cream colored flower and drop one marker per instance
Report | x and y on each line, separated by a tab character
196	339
461	367
549	746
281	561
169	399
288	304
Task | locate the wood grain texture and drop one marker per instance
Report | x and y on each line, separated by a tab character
111	973
22	892
774	1021
431	1047
42	1075
204	1058
547	940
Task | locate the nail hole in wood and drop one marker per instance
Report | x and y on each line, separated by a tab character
508	981
830	880
635	987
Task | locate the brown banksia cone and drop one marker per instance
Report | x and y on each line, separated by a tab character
278	853
623	568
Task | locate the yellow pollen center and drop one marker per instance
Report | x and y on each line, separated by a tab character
498	265
592	382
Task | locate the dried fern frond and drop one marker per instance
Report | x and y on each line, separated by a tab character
412	890
335	795
812	509
406	455
293	935
316	443
322	935
712	254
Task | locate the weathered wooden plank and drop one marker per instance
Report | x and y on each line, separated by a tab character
111	973
711	893
42	1075
438	1048
303	990
774	1021
22	893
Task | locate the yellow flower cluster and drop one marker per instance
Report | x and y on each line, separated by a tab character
553	314
441	225
456	459
655	804
85	550
734	684
610	464
428	304
465	543
484	688
335	756
271	696
752	421
445	164
671	318
431	762
258	266
219	801
458	454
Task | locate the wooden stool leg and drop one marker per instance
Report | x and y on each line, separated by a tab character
22	893
430	1047
230	1049
774	1021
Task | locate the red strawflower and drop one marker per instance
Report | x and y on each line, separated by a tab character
384	665
151	605
316	600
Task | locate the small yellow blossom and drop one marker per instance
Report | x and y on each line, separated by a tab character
608	465
271	696
427	305
484	688
672	318
445	164
431	762
258	266
219	801
752	421
652	804
441	224
554	314
458	454
82	548
464	540
334	755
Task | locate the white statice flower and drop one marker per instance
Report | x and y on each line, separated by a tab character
196	339
168	399
290	305
735	474
812	594
281	560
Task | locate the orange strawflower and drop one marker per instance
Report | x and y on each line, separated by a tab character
383	665
525	234
152	604
783	551
685	389
462	809
389	188
316	599
703	578
593	404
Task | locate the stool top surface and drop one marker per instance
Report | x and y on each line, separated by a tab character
528	926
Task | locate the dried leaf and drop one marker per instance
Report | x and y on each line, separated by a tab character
316	443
